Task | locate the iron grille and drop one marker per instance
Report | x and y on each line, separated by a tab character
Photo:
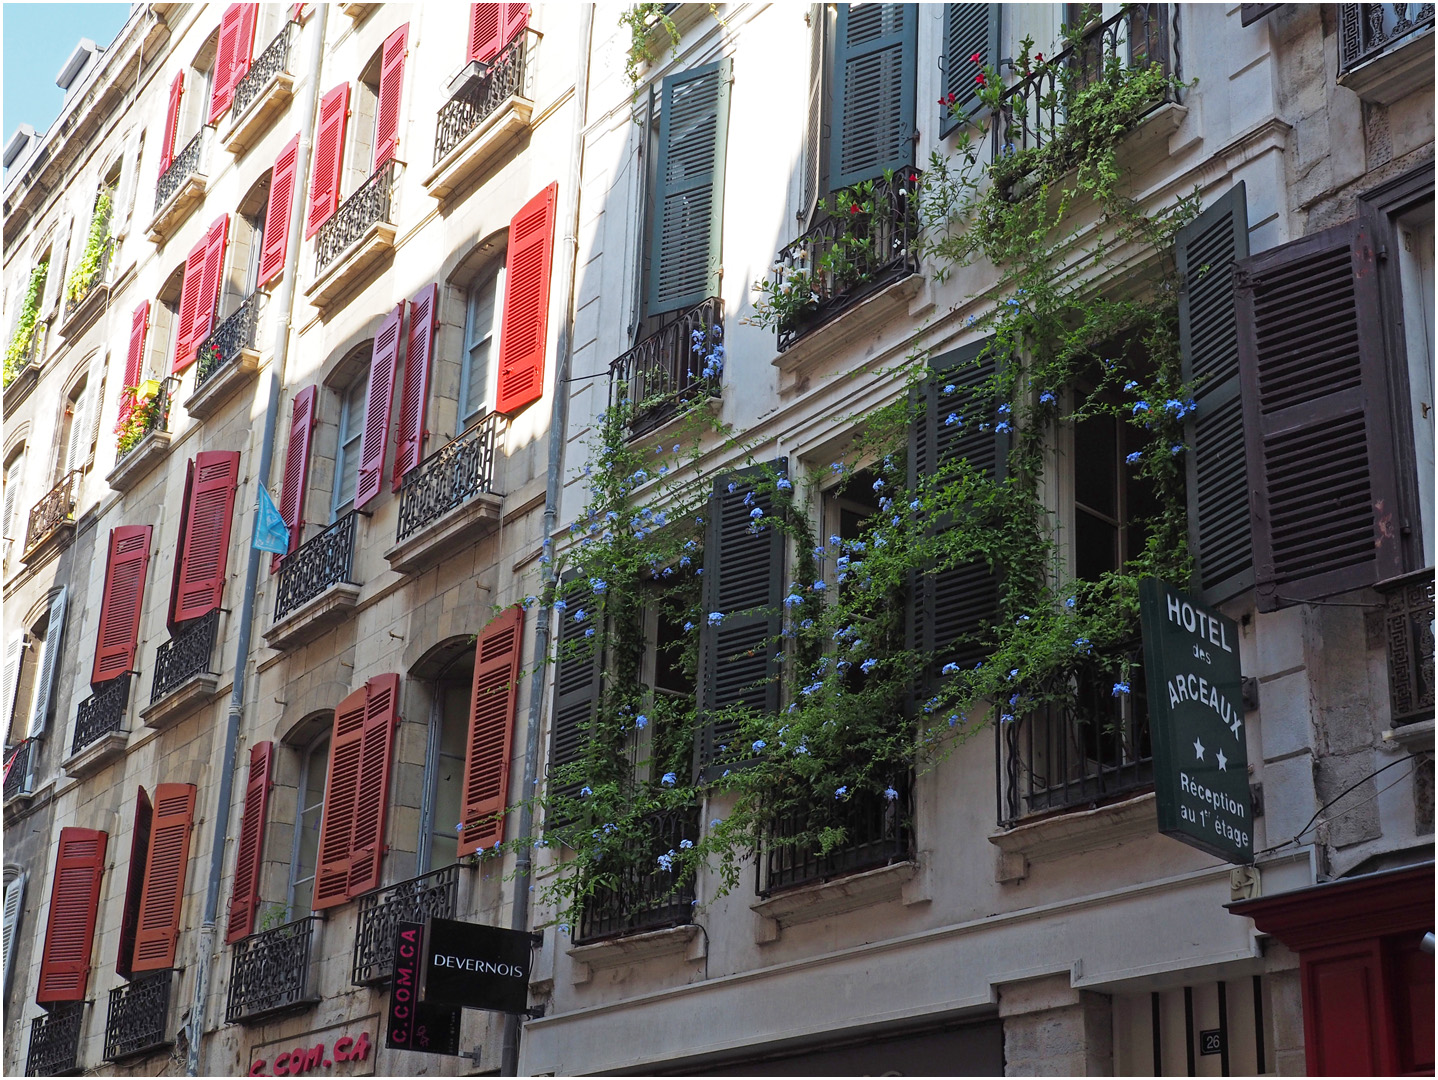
55	509
139	1015
877	830
55	1041
846	257
430	896
224	345
270	972
673	367
449	477
101	713
98	277
17	769
326	559
182	166
157	416
502	78
646	896
369	205
273	61
1366	30
185	655
1409	625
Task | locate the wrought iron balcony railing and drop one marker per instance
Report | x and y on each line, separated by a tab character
139	1016
1409	625
270	972
17	769
878	830
449	477
182	166
846	257
55	1041
34	348
370	205
155	416
1369	30
99	277
645	896
101	713
503	78
274	60
55	509
430	896
325	559
185	655
225	343
678	364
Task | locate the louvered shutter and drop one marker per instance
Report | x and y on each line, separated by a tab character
205	547
249	853
161	903
134	884
172	122
486	24
1208	251
135	355
1321	463
329	152
493	696
378	405
77	452
372	795
525	323
49	664
686	232
812	164
244	43
332	874
297	466
391	78
74	903
968	29
119	628
744	581
409	440
577	684
14	655
515	18
222	84
14	899
190	290
873	91
277	217
210	282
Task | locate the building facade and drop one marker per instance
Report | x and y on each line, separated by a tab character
423	273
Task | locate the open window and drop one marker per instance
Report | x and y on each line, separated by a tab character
314	757
352	391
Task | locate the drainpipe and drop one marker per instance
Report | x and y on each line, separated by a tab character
558	421
283	306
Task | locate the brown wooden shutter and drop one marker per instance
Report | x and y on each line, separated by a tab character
190	289
222	84
135	357
172	122
74	904
486	24
297	466
372	796
332	872
162	901
277	217
515	18
525	322
493	696
378	405
205	546
1321	463
249	854
134	884
119	628
409	439
391	79
329	152
210	282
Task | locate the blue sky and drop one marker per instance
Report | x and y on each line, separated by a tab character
37	40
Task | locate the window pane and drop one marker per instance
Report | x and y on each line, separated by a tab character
1095	462
1095	546
352	410
481	334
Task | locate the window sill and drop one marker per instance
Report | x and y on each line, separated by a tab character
21	385
314	617
217	389
177	208
851	324
182	701
634	949
1392	76
1072	833
86	311
91	759
904	881
245	130
462	527
49	545
350	264
357	11
143	457
490	137
1415	738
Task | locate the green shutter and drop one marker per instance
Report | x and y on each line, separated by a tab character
578	669
968	29
688	212
874	74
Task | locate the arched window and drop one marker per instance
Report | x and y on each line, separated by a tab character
447	671
309	811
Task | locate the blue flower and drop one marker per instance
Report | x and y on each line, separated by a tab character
840	792
1120	688
792	599
1006	718
1013	674
589	632
878	485
641	721
1173	405
1082	643
666	861
820	586
560	605
685	845
669	779
598	584
1141	406
949	389
756	513
836	467
715	618
688	626
914	505
868	665
890	794
1002	427
581	615
801	750
950	669
639	476
1070	602
1047	398
1133	459
835	541
1176	449
676	448
732	486
759	744
1004	410
586	790
784	484
951	419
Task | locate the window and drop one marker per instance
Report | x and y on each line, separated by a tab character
1110	498
442	810
483	310
352	417
14	489
1415	263
304	857
76	439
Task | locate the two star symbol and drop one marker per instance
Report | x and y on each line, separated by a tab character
1198	748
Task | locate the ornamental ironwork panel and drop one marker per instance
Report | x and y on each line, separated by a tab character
270	972
157	414
1367	30
848	255
1408	621
449	477
101	713
17	769
55	509
185	655
225	343
502	78
275	60
182	166
677	365
139	1016
98	277
646	896
55	1041
369	205
430	896
326	559
877	830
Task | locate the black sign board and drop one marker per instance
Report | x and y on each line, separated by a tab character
415	1024
1210	1041
478	967
1195	708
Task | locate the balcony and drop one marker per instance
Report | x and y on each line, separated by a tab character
22	379
18	767
263	93
678	366
314	589
877	831
179	189
146	439
1385	51
489	111
55	1041
52	519
88	300
645	897
430	896
448	500
139	1017
100	734
183	680
357	235
270	973
226	359
1408	626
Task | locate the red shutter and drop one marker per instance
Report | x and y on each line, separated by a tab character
210	280
189	304
409	440
134	884
135	358
205	546
172	122
120	602
297	466
332	872
372	794
492	700
74	903
378	406
277	217
163	897
515	18
391	76
245	897
525	323
222	83
329	150
486	22
244	43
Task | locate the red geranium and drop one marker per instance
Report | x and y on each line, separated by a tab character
975	58
979	78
